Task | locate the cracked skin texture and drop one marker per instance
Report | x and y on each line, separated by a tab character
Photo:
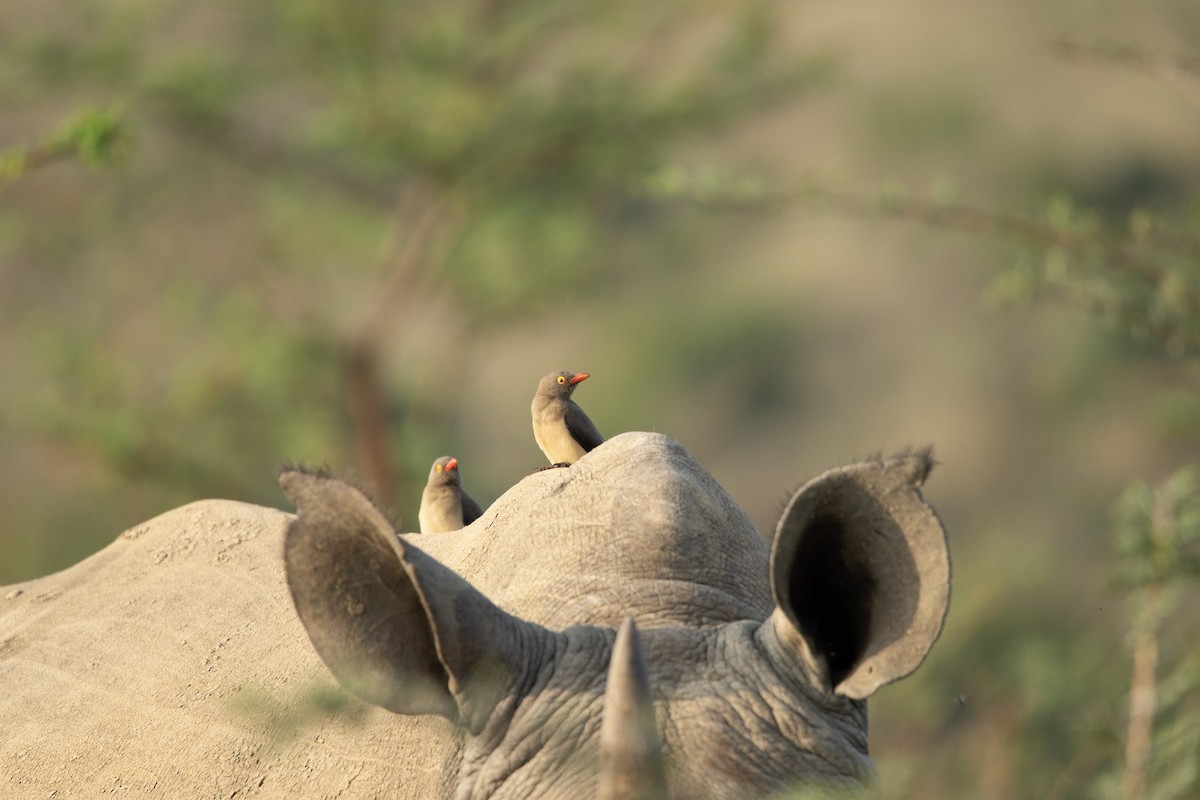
173	660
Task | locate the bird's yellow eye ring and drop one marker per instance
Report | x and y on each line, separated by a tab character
562	379
438	467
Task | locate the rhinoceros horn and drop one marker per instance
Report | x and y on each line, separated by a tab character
631	761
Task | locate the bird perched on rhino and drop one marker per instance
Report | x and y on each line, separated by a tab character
562	430
444	504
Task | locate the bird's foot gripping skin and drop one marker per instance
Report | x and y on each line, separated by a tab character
558	465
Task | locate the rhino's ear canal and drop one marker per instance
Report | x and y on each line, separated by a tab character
861	571
396	627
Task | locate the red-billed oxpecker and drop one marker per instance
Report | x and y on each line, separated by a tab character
444	505
563	431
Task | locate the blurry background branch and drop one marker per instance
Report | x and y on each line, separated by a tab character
1181	72
399	294
356	234
1157	542
507	129
95	137
1143	277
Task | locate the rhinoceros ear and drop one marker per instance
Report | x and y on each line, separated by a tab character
860	572
396	627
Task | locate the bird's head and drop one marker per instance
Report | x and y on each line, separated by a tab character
561	383
444	471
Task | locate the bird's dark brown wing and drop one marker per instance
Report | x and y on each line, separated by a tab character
471	510
581	428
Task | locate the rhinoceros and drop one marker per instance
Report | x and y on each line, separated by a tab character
230	650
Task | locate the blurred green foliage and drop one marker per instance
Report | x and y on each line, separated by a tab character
520	128
176	327
1157	533
95	137
1143	278
1047	689
1157	545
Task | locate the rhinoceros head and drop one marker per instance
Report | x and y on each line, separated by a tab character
758	659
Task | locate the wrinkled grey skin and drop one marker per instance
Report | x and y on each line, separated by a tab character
482	654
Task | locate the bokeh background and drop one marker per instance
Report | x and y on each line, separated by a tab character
789	235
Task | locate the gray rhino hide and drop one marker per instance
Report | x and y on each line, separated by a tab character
174	660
